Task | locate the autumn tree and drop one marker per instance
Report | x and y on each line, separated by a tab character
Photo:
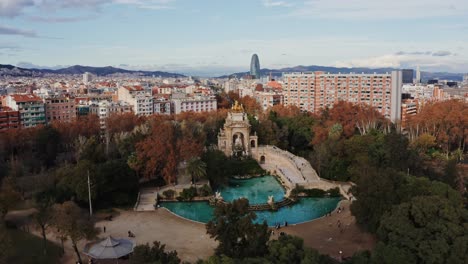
447	121
169	143
72	223
124	122
250	104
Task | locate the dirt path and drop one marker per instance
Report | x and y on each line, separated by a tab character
192	243
327	237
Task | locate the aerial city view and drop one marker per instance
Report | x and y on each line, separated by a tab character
225	132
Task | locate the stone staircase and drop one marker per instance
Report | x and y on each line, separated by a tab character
147	199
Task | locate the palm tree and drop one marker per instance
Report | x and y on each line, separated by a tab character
197	168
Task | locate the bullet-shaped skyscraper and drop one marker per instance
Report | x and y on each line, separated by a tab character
255	67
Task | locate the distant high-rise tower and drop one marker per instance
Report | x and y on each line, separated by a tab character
87	77
255	67
418	75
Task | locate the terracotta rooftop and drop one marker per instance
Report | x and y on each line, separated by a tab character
274	84
25	98
134	88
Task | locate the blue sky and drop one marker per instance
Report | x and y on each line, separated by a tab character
211	37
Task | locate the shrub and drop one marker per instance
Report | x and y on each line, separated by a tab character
205	190
169	194
315	193
335	192
188	194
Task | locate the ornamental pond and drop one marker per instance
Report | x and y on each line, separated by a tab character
257	190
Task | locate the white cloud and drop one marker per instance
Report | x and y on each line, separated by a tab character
273	3
6	30
12	8
374	9
428	62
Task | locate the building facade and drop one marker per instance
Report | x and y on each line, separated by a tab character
136	96
409	107
60	109
407	75
162	106
9	118
317	90
194	104
104	109
30	107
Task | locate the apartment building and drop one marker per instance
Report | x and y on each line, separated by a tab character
139	98
9	118
409	107
316	90
193	104
30	107
104	109
162	106
60	109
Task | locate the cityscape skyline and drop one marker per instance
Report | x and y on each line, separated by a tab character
209	38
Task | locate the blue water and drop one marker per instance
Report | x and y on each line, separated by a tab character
256	190
305	210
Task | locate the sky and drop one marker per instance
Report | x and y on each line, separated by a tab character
214	37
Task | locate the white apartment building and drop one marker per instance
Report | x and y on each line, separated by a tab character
87	77
314	91
104	109
268	99
194	104
162	106
139	98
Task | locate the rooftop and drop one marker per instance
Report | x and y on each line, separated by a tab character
25	98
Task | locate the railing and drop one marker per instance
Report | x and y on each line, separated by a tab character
137	202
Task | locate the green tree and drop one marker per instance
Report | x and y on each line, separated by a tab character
71	222
74	178
238	236
376	194
156	254
216	167
197	169
424	230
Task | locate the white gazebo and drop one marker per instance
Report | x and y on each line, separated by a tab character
110	248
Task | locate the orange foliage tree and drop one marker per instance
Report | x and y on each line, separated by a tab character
352	117
447	121
169	143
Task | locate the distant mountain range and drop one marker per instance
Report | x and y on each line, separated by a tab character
278	72
10	70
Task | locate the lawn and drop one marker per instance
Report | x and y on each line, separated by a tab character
27	249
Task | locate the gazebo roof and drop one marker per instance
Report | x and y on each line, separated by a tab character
110	248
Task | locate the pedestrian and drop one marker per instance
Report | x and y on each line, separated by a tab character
104	229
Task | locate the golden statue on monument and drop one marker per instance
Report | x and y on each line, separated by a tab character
237	107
